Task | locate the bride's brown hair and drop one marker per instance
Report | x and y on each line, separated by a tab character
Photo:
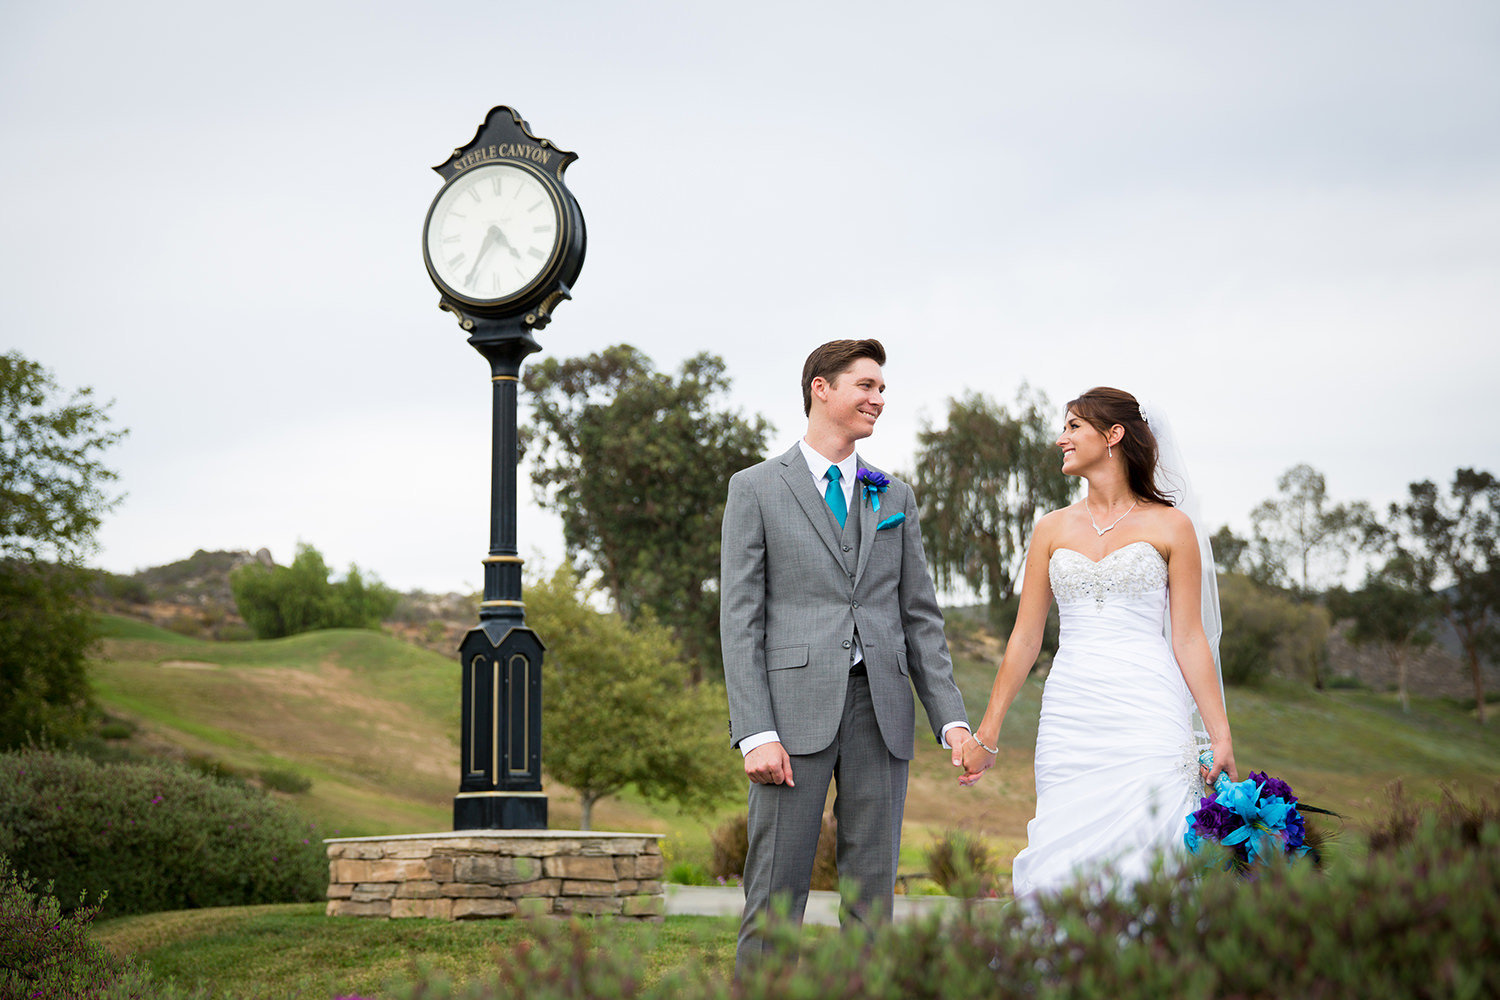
1104	407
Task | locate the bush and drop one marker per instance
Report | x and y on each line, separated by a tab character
732	842
688	873
962	864
155	837
1267	634
283	780
1420	922
46	954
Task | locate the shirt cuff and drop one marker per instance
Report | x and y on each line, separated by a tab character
945	731
760	739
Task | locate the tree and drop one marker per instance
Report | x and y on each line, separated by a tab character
1230	550
1451	543
1302	540
619	709
1268	634
983	481
277	601
54	493
638	464
1391	611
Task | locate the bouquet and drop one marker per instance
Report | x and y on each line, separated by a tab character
1257	819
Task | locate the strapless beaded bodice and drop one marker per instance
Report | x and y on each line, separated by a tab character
1126	575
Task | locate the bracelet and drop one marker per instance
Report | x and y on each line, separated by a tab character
992	750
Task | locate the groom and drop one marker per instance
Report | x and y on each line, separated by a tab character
828	618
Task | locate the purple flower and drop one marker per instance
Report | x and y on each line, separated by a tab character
1214	821
1273	786
875	483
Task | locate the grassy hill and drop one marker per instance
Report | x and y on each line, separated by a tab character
373	722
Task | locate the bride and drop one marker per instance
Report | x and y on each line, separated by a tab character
1116	753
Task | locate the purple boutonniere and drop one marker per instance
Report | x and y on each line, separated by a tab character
875	483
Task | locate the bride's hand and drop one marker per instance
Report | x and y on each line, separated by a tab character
1223	751
976	760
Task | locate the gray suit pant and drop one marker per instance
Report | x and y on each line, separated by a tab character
785	823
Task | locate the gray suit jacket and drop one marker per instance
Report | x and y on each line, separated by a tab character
789	608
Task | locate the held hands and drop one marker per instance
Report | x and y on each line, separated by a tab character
973	757
768	764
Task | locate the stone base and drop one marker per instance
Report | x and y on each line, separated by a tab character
478	874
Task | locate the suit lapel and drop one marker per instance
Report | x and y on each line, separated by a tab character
867	521
798	478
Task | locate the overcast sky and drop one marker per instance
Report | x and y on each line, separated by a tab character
1279	222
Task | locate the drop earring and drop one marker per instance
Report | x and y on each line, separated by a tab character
1110	449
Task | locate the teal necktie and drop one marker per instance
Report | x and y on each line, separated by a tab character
835	496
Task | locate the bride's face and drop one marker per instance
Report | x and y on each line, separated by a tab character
1081	443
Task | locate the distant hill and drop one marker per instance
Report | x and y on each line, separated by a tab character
193	597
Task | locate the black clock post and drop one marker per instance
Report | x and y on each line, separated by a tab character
503	242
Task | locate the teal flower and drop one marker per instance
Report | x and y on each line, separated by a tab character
1265	820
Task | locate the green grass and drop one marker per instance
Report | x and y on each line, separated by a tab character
277	951
374	721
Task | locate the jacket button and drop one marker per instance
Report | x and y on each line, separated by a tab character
855	605
847	549
847	643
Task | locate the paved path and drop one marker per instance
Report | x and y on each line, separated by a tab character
822	907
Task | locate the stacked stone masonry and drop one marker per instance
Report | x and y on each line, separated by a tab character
479	874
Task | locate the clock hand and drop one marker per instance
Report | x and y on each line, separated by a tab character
506	243
489	241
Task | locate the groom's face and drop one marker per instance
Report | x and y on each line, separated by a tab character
854	399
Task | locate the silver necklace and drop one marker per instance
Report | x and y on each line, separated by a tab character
1100	531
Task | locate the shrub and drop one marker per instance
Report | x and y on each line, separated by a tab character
732	842
689	873
214	769
962	864
46	954
155	837
1404	819
284	780
116	729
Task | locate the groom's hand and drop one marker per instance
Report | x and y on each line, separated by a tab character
957	737
768	764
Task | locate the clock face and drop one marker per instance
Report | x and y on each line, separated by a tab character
492	233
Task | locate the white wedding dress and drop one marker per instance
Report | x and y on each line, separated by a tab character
1116	759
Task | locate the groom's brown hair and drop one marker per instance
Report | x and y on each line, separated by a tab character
832	360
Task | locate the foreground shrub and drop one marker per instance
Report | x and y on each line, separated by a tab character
1422	921
155	837
46	954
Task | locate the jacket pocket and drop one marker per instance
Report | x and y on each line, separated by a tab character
901	662
786	657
